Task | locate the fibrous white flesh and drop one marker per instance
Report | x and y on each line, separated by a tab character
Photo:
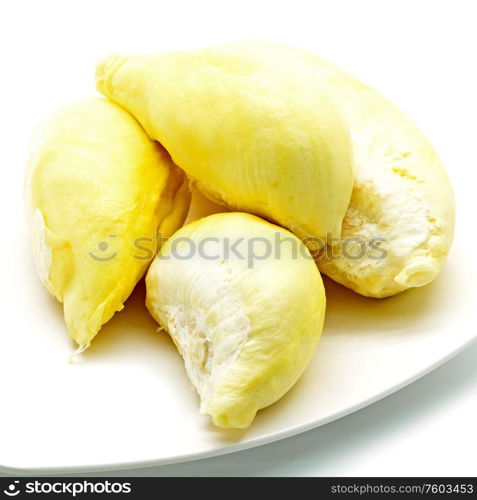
388	213
393	202
205	317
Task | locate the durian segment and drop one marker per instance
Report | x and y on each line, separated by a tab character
402	202
402	195
244	303
250	133
97	190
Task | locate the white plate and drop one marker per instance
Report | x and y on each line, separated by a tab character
128	401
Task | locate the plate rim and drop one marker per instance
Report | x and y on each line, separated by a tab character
248	444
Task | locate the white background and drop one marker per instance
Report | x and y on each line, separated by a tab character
421	54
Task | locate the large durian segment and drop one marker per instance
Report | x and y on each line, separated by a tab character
399	226
97	190
244	303
251	132
402	196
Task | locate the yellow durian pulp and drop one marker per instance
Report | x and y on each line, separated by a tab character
244	303
402	195
398	229
97	191
251	133
260	127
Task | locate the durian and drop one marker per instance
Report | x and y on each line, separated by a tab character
97	191
244	303
251	133
398	229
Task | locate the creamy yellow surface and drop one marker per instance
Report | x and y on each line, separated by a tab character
246	325
261	127
251	132
95	184
401	196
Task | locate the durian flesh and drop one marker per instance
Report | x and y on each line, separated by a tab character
250	133
95	185
244	310
402	196
256	127
399	226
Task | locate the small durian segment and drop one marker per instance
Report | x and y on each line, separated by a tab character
244	303
251	133
399	226
97	190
